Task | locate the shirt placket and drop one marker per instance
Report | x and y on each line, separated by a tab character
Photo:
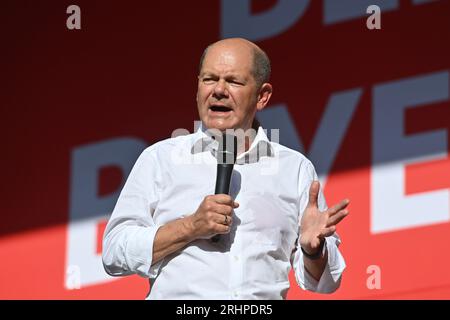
236	276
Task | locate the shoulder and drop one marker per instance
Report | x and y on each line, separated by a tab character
164	147
291	155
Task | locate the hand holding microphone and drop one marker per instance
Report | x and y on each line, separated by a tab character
214	215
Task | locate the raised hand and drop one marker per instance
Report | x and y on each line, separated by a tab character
316	225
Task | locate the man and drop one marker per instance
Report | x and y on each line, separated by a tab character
166	214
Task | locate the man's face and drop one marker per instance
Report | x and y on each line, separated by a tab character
227	92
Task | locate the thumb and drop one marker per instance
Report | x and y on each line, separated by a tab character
313	193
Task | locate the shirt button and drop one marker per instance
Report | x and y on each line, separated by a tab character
235	294
236	258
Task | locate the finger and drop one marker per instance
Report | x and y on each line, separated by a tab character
326	232
338	207
335	219
313	193
222	209
222	229
222	199
223	219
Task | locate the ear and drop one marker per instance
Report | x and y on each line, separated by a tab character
196	94
265	92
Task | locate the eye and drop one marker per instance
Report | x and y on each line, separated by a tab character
208	80
236	83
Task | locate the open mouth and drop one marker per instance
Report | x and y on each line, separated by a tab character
220	109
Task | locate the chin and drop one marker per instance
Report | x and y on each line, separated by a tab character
219	125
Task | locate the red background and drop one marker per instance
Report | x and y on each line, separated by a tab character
131	71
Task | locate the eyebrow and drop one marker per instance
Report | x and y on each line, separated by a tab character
232	76
211	73
206	74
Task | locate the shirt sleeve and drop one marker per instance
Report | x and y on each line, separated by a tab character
130	232
332	274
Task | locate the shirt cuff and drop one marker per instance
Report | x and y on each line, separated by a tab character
139	251
331	277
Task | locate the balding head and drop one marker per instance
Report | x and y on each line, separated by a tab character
260	65
232	84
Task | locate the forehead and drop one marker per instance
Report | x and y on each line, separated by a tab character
228	59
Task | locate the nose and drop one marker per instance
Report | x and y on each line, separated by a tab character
220	90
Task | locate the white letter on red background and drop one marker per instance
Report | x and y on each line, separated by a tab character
393	150
87	208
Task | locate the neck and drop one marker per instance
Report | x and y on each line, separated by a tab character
245	137
245	140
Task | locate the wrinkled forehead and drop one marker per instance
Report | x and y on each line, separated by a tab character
228	59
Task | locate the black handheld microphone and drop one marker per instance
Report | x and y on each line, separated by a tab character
226	157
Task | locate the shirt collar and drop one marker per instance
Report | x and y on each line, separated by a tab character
202	141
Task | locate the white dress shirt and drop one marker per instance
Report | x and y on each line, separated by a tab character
169	181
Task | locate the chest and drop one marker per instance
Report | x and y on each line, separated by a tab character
268	202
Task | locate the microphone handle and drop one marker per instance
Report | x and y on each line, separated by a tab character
223	179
